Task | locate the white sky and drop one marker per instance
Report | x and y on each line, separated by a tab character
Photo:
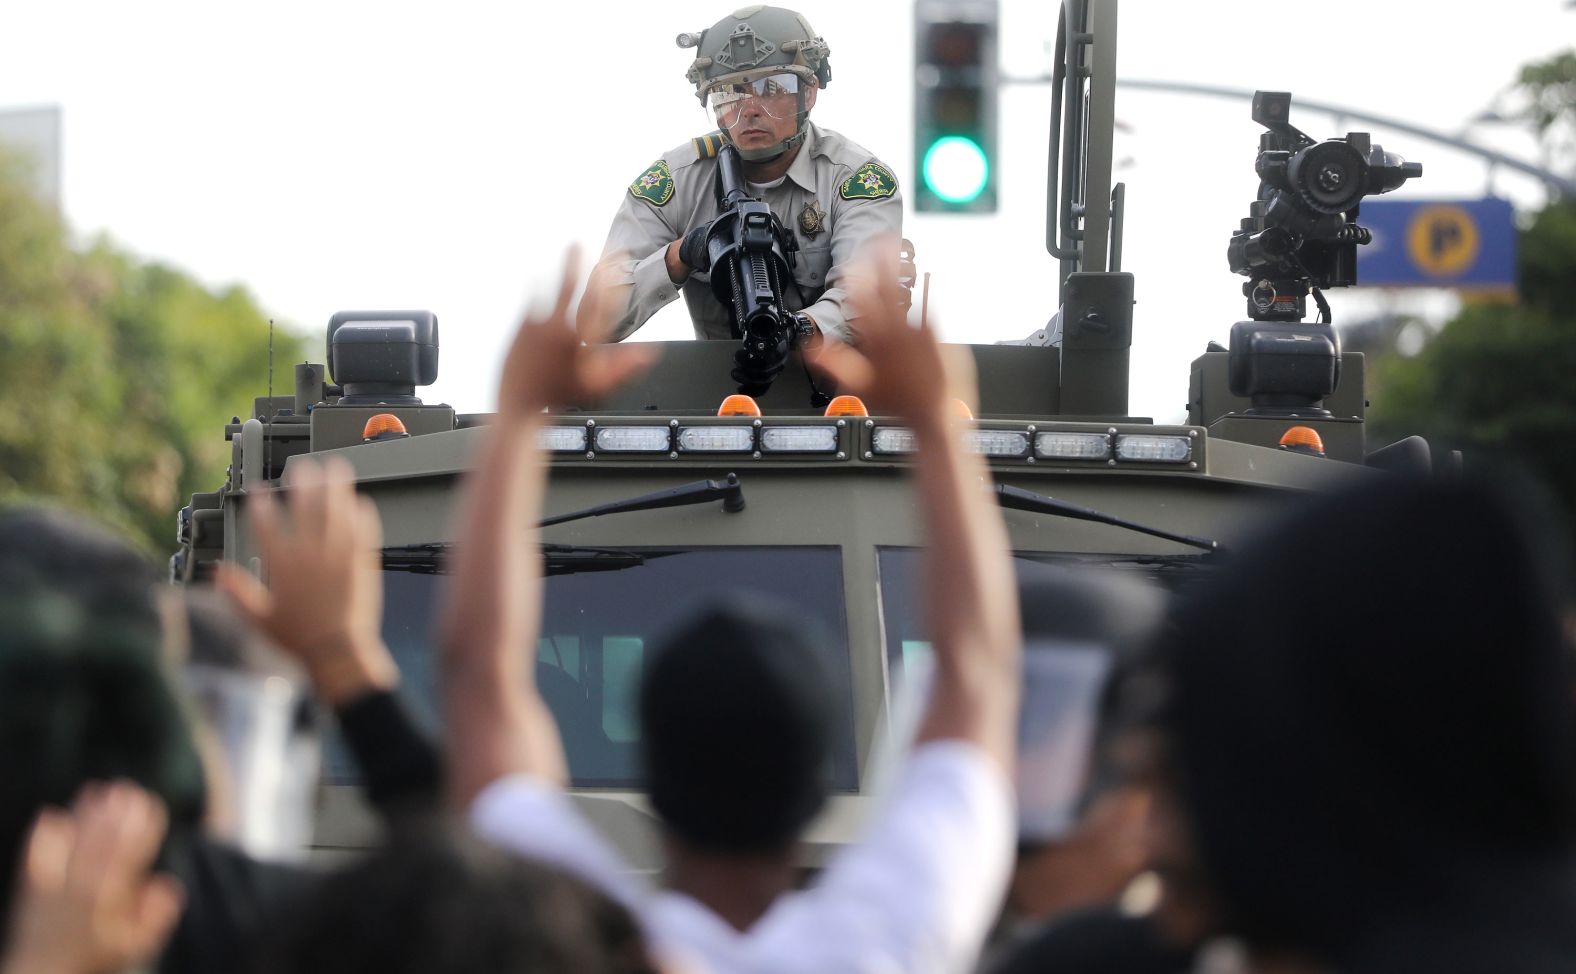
358	155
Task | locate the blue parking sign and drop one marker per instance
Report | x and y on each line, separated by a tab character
1465	244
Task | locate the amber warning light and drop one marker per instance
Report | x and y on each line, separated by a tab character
1303	439
739	404
383	426
846	406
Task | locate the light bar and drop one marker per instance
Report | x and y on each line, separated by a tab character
717	439
799	439
562	439
1073	446
892	439
1153	448
632	439
997	443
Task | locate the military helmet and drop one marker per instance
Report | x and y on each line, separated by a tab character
769	48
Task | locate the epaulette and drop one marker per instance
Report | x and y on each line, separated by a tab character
707	146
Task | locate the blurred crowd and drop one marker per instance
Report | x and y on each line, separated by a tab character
1349	746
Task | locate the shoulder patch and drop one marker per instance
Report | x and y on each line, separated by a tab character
655	185
707	146
871	181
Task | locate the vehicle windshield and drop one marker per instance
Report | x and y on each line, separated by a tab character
903	611
597	629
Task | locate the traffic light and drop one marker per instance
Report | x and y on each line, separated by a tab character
955	105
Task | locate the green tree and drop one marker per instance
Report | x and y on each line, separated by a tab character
1549	91
1501	379
116	375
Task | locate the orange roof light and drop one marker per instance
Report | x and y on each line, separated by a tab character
739	404
846	406
383	426
1303	439
961	409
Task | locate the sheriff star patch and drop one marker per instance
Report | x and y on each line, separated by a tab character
871	181
655	185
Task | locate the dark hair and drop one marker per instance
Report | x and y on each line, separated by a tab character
1372	718
437	899
83	697
75	555
735	708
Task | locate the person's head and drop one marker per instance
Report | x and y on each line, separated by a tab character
735	717
442	900
757	72
1371	716
76	556
83	689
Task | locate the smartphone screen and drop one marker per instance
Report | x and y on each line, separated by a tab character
1063	682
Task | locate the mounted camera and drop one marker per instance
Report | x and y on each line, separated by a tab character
1300	237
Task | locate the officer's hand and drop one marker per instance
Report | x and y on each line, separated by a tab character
693	250
547	365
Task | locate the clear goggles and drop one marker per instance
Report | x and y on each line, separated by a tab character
775	95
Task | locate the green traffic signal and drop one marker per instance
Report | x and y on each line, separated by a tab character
955	87
956	169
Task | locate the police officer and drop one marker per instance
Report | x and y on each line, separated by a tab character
758	72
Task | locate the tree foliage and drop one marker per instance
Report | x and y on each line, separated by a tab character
1549	88
1500	380
117	375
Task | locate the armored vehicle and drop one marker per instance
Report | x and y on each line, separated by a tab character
671	491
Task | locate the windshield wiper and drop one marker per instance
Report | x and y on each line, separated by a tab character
1024	500
557	559
427	559
728	491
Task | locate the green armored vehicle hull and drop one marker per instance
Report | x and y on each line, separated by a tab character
827	524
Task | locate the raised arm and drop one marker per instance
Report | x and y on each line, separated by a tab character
496	722
970	592
323	604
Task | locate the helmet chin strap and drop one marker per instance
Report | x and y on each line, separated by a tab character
772	151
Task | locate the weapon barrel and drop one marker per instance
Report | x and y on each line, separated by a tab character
730	170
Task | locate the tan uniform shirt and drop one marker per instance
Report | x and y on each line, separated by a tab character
856	196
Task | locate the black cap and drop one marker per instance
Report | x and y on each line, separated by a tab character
735	712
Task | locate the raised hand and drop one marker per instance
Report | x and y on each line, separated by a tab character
547	365
323	601
87	902
895	367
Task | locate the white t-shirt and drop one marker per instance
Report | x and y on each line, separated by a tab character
916	895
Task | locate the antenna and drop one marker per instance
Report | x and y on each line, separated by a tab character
924	303
268	417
